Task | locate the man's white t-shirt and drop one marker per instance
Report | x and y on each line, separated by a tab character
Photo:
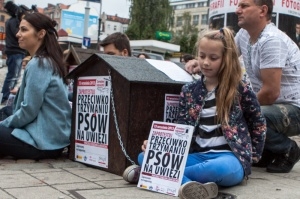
273	49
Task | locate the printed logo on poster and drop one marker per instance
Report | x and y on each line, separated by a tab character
165	157
92	120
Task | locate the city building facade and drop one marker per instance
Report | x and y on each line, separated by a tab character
112	23
198	10
54	12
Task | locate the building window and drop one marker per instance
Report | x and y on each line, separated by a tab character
124	29
51	15
2	18
195	20
190	5
57	14
202	4
179	7
115	27
108	26
204	19
172	21
179	21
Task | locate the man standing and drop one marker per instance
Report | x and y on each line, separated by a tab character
272	62
14	53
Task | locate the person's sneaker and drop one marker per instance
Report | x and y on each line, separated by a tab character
132	174
284	163
196	190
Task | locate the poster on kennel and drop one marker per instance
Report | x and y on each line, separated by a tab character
165	157
171	108
92	120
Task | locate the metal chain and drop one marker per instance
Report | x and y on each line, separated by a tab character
116	121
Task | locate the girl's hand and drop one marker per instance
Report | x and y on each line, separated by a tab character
144	145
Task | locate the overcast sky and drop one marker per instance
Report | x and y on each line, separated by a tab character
111	7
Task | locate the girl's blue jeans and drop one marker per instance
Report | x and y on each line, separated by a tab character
223	168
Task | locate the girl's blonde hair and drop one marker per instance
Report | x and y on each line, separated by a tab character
229	75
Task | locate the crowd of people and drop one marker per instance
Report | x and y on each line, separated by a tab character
242	125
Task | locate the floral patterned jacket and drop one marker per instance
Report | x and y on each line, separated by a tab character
246	129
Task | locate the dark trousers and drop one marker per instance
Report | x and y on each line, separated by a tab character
11	146
14	66
283	121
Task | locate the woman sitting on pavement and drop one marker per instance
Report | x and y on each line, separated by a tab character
229	126
41	121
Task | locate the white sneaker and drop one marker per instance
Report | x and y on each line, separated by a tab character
132	174
196	190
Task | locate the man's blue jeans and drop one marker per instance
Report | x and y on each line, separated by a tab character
223	168
283	120
14	65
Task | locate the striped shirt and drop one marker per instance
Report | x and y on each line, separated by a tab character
210	135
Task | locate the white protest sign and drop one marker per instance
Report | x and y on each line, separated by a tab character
165	157
92	120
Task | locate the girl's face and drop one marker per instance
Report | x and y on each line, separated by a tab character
28	38
210	57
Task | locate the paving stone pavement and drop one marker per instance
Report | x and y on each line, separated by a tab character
65	179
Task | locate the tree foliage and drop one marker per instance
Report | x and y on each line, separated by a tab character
187	35
148	16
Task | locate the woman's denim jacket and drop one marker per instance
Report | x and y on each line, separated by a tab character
246	129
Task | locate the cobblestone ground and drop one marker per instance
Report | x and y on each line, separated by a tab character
3	72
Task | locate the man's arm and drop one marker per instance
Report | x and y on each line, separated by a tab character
270	90
192	66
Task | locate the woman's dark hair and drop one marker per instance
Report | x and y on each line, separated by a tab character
49	48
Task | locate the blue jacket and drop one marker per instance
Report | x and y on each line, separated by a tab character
246	129
42	113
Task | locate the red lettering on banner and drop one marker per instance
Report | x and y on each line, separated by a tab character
233	2
291	4
217	4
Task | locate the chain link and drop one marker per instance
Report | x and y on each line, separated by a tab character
116	121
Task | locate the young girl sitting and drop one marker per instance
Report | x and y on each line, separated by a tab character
229	126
